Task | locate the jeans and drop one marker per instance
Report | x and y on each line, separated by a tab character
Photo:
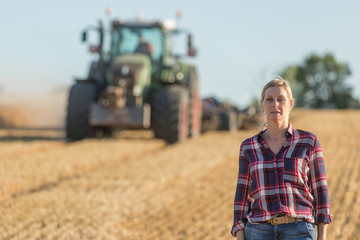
291	231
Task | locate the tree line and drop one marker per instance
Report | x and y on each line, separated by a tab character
320	82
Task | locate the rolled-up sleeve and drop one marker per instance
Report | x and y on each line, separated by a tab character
241	205
319	185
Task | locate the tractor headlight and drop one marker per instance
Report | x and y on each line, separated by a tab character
137	90
125	70
180	76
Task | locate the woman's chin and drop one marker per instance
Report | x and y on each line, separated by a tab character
275	118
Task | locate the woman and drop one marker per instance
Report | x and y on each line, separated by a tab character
281	190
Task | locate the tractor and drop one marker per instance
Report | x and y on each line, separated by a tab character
137	82
218	116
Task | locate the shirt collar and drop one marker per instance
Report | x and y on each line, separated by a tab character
288	133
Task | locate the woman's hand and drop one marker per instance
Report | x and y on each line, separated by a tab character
240	235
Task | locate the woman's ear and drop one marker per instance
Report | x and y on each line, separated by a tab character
292	102
261	106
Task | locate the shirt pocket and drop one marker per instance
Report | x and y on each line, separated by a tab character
295	171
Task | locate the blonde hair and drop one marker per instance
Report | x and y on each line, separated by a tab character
278	81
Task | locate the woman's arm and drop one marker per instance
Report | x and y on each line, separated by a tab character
319	185
322	228
241	205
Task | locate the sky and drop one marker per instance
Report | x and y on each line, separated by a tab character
241	44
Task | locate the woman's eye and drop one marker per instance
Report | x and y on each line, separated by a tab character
281	99
269	99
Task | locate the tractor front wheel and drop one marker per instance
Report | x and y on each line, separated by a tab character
82	94
170	113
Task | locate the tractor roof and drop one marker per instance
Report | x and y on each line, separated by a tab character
167	24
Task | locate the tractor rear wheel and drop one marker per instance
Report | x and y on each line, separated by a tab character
82	94
170	113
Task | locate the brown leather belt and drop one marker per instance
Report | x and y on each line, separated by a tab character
284	220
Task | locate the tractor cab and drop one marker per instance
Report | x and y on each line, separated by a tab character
129	39
151	39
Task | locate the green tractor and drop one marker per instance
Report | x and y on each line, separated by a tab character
137	83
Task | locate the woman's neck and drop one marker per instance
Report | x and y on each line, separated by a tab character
277	130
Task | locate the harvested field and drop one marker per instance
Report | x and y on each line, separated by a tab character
136	187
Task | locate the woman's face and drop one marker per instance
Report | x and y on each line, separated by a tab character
276	104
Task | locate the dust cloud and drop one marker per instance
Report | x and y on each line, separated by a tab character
41	111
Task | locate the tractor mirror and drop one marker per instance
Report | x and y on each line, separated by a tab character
191	49
84	36
190	41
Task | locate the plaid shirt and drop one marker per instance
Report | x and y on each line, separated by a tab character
292	182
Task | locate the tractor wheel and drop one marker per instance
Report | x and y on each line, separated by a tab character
103	132
194	105
228	121
170	113
82	94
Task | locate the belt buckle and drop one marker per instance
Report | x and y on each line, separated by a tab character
278	220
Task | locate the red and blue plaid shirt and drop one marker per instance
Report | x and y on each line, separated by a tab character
292	182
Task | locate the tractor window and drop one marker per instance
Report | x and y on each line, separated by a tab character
126	40
175	43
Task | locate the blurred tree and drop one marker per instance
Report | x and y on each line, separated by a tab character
320	82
